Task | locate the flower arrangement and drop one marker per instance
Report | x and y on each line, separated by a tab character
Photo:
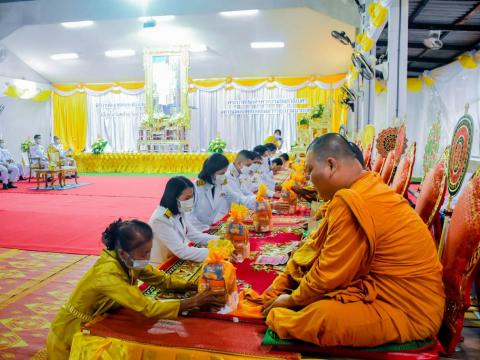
25	146
99	145
217	145
317	111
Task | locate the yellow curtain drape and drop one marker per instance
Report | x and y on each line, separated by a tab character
316	95
70	120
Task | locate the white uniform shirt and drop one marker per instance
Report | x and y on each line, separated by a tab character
60	149
171	236
235	180
37	151
266	176
5	155
208	208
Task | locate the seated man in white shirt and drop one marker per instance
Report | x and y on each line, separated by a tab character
64	154
238	172
7	160
38	152
266	173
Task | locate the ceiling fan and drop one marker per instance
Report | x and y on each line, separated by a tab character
363	66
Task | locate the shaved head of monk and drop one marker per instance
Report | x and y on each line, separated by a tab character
333	164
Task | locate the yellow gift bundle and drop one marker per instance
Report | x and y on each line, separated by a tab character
262	218
237	232
289	196
218	274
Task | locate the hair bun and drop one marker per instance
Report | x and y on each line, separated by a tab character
109	236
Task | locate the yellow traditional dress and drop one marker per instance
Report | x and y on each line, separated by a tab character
105	286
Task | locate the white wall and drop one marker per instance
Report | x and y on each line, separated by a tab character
15	68
22	119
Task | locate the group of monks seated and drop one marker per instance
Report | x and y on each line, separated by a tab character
10	170
368	275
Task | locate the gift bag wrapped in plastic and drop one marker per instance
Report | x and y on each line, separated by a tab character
262	217
219	274
289	197
237	232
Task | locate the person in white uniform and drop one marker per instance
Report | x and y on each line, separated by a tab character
64	154
266	173
214	195
172	230
238	172
14	170
38	152
251	180
6	156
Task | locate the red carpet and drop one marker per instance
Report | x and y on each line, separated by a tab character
72	221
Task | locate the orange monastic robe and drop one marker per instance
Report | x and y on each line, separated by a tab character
369	275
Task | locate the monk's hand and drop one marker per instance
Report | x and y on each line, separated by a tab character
284	300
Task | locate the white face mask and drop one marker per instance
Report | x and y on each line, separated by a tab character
246	170
254	167
135	264
219	179
2	145
186	206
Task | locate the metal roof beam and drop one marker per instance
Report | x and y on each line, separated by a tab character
417	11
444	27
412	45
429	60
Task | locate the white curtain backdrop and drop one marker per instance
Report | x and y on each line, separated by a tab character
454	87
240	131
116	118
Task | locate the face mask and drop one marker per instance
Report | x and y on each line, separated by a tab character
219	179
254	168
135	264
2	145
246	170
186	205
278	137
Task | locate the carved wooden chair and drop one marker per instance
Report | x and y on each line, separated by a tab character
387	169
432	197
403	175
378	165
461	263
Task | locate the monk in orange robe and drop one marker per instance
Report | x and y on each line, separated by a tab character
369	274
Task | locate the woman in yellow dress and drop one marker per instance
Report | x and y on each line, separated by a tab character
112	282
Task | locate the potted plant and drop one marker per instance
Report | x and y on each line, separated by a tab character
217	145
25	146
99	145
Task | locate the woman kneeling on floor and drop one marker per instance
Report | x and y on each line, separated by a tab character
112	282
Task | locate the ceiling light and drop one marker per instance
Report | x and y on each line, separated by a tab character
267	45
157	18
77	24
119	53
65	56
198	48
239	13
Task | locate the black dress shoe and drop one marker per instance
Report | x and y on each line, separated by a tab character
22	178
5	187
11	186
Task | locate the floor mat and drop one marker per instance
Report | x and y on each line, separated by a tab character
40	284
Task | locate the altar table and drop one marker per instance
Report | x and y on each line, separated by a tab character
143	163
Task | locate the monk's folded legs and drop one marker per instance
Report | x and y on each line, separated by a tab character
330	323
